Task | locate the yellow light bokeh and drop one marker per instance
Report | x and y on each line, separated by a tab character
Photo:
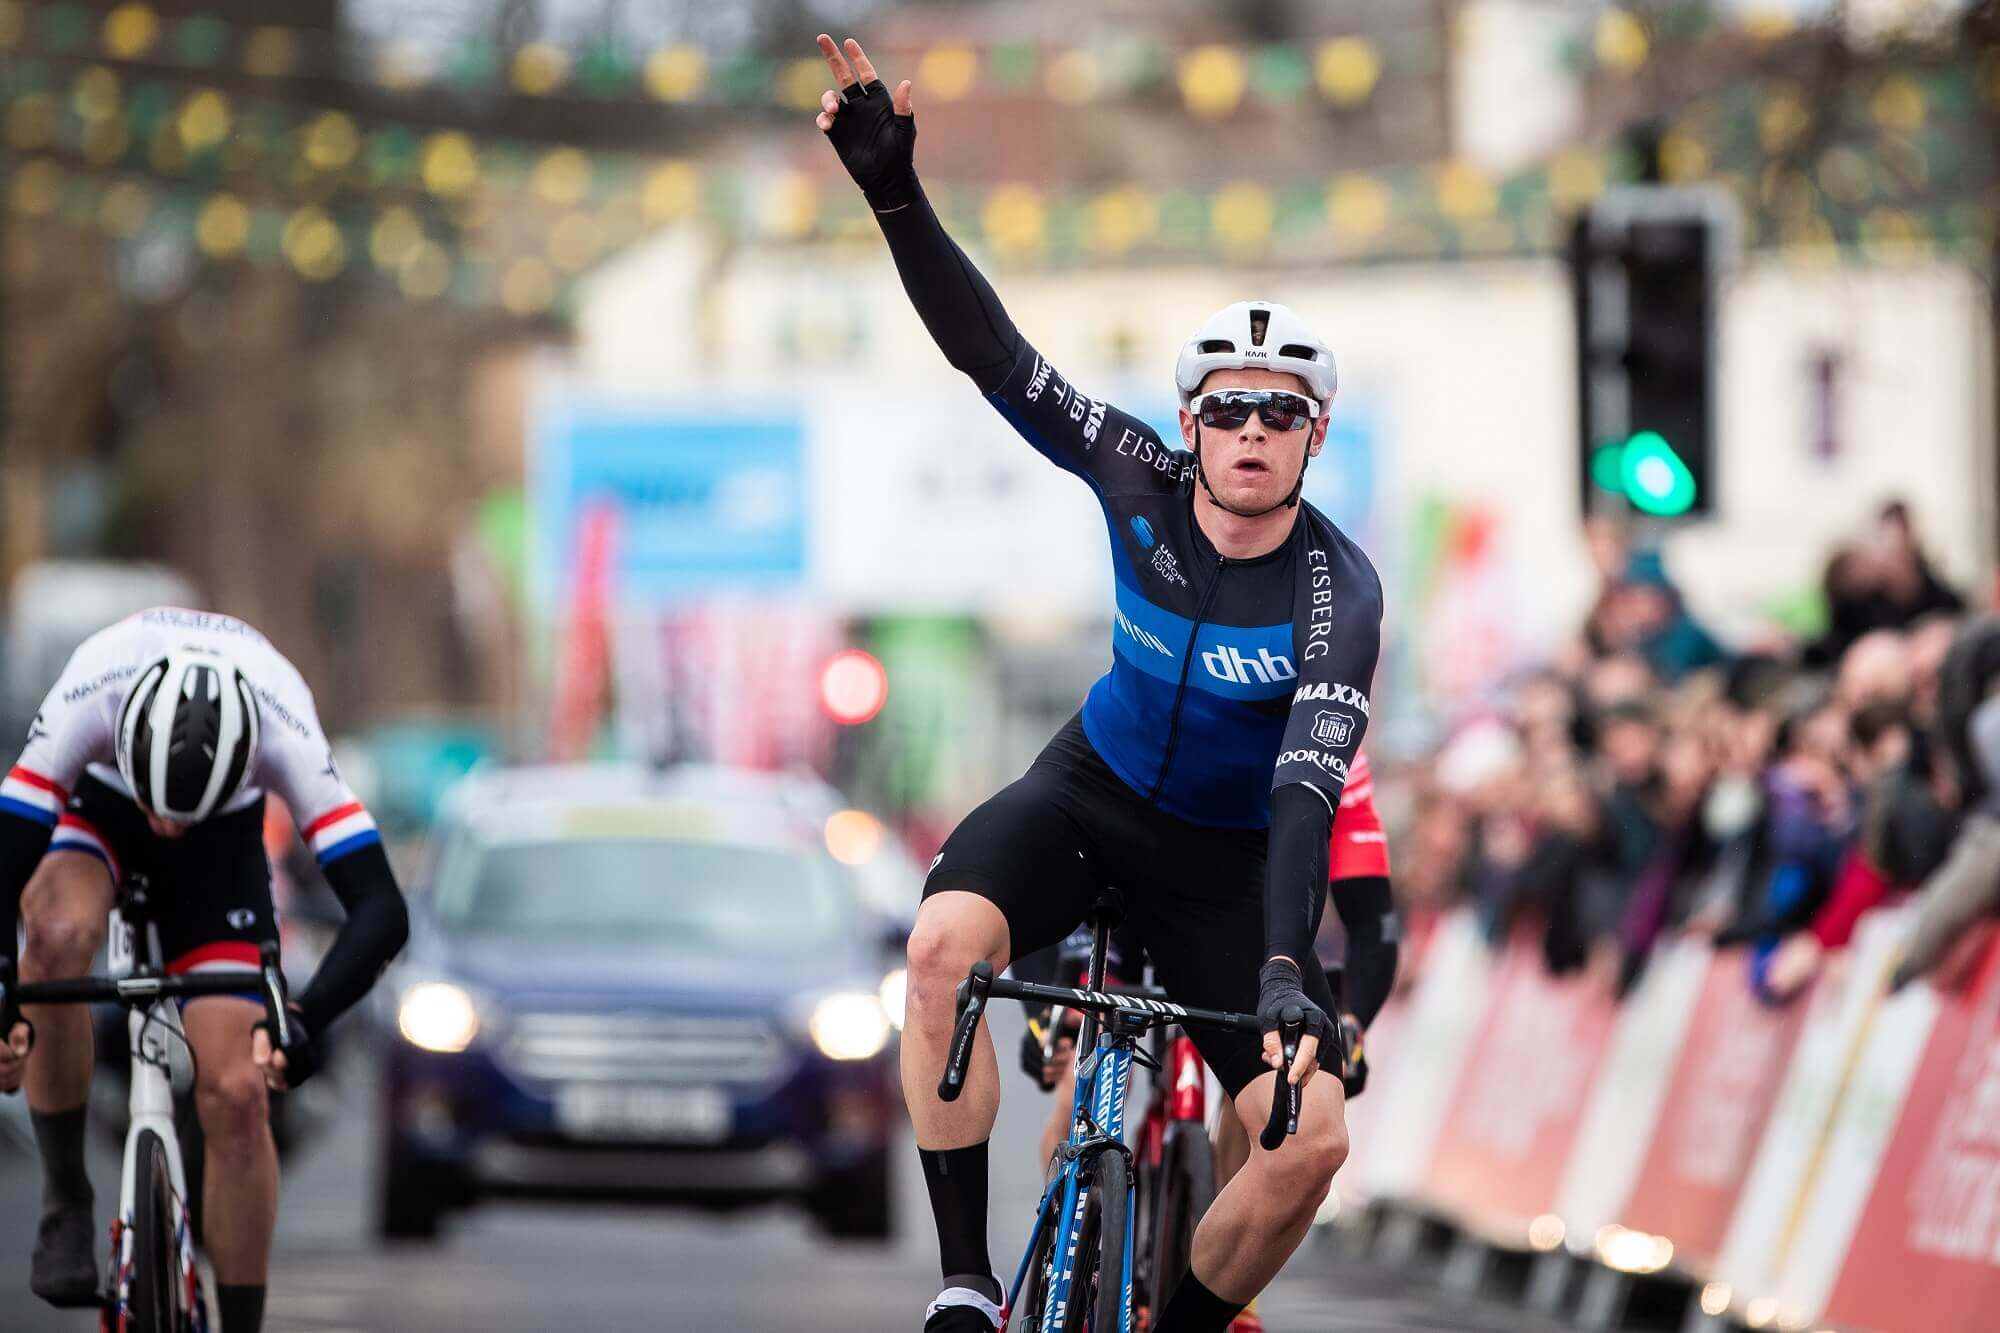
425	271
1120	219
1073	77
312	242
31	121
1347	70
1213	79
802	81
222	228
1781	119
95	93
450	164
1015	219
1899	104
204	120
1682	157
124	208
947	73
1464	191
393	237
35	186
331	141
853	837
1767	24
676	73
1621	42
528	287
1575	178
672	190
539	68
1357	206
129	31
1241	215
562	176
270	52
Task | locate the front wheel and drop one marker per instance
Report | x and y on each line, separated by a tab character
1097	1291
1186	1189
161	1286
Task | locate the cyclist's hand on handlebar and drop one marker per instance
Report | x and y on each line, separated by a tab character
1279	987
874	132
285	1067
14	1056
1036	1062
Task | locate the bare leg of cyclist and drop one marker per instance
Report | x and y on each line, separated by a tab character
953	931
1260	1217
64	910
1231	1149
240	1200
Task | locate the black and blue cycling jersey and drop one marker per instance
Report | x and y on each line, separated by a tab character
1228	677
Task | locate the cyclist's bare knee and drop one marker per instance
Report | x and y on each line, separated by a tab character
953	931
64	909
229	1089
1301	1171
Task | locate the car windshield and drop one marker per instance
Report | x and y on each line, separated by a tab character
675	896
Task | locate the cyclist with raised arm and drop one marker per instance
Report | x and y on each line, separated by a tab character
1202	774
150	757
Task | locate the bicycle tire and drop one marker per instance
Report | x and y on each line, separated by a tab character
1097	1289
160	1293
1027	1316
1186	1189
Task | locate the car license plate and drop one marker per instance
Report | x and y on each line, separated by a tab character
639	1111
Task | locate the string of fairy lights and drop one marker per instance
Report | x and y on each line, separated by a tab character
100	132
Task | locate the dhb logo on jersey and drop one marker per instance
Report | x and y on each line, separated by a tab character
1266	668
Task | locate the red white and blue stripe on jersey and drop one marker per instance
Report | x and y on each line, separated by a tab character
76	834
32	796
339	831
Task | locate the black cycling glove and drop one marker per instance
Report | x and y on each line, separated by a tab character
1280	987
301	1052
877	146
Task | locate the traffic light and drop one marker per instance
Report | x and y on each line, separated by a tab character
1644	262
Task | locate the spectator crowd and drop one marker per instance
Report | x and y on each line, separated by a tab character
1649	781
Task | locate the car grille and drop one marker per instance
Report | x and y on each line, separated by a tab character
644	1048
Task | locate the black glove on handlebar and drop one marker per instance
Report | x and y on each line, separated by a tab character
301	1052
877	146
1280	987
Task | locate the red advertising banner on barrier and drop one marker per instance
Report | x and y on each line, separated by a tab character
1719	1099
1926	1254
1519	1099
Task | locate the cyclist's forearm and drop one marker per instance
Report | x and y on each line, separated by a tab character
1368	914
22	842
952	297
376	928
1295	872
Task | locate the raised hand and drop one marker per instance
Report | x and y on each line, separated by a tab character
874	133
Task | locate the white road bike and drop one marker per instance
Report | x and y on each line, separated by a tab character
155	1280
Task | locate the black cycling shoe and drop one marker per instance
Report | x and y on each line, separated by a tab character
959	1319
64	1269
964	1307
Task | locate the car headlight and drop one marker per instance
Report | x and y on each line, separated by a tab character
438	1016
849	1027
894	994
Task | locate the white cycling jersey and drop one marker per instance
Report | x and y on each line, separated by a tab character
75	730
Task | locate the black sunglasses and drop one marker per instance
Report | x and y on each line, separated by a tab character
1228	409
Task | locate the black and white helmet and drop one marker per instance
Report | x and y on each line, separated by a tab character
1262	335
187	735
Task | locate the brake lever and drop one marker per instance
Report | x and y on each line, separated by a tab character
1285	1097
972	996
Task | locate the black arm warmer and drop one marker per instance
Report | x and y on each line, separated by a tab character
956	303
22	842
1295	872
1368	913
376	927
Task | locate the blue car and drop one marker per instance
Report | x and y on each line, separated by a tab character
623	984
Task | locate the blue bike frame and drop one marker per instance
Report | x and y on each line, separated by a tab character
1102	1081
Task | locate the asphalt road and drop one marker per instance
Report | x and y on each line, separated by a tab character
531	1268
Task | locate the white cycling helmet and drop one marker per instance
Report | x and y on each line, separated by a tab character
187	735
1262	335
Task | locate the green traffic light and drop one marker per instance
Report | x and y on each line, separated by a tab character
1653	476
